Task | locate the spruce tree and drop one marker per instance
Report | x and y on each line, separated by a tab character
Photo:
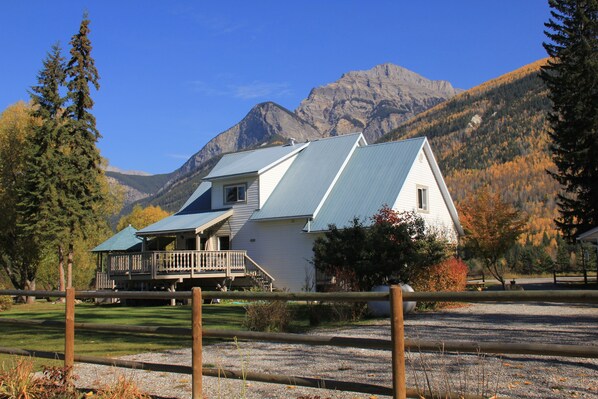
82	192
572	79
39	200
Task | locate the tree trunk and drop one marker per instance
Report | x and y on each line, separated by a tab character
61	268
69	266
30	286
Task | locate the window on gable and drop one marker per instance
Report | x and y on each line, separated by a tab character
422	198
235	193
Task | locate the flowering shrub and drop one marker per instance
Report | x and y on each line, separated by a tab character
449	275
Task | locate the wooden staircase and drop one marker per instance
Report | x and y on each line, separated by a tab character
258	275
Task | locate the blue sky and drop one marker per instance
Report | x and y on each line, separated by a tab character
176	73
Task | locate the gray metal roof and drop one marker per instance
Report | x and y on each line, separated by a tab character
124	240
254	161
305	185
186	222
200	200
373	177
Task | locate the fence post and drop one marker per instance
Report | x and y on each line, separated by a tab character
69	332
196	384
399	390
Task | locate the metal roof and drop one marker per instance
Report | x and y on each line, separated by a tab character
307	181
373	177
589	236
124	240
181	222
251	162
200	200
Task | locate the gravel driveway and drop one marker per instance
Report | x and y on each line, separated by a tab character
508	375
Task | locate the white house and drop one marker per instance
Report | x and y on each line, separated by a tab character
257	213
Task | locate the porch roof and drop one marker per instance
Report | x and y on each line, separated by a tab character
589	236
124	240
186	222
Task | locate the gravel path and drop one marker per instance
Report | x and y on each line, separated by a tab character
507	375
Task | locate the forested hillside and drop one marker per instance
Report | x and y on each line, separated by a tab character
495	134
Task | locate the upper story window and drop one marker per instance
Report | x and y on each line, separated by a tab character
422	199
234	194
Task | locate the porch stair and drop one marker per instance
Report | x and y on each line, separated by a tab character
258	275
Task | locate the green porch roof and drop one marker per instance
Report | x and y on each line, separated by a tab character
123	241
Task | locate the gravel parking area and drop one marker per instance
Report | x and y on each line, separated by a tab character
507	375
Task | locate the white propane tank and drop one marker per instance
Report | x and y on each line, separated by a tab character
382	308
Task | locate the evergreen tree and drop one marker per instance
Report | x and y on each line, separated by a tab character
39	198
82	191
572	78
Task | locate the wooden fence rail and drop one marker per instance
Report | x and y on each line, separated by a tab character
397	344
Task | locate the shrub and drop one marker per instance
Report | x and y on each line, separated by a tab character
268	316
449	275
5	302
124	388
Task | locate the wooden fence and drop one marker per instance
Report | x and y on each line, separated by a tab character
397	344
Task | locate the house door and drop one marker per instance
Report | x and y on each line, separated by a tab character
223	243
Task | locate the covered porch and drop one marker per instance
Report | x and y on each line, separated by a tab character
180	249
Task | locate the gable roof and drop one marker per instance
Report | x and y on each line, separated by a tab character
309	179
252	162
194	222
373	177
124	240
200	200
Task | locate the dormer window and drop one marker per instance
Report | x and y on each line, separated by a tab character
235	194
422	198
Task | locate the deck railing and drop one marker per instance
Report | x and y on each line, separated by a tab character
160	263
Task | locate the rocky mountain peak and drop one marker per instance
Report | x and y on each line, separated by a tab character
374	101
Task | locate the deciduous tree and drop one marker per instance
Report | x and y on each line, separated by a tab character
396	245
142	217
572	78
19	252
491	227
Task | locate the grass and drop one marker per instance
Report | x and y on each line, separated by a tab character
223	316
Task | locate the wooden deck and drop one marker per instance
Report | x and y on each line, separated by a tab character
170	265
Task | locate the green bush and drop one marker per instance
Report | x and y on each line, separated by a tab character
272	316
5	302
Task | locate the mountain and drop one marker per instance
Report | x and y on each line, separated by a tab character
495	134
373	102
266	123
136	186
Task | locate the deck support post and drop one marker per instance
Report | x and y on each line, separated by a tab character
172	289
399	389
196	353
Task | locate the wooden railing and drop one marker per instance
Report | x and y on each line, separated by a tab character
397	344
160	263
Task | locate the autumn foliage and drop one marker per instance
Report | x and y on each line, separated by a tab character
492	227
449	275
142	217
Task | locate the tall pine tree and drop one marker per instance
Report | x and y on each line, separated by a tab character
82	194
39	197
572	78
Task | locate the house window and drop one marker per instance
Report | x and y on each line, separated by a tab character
235	194
422	199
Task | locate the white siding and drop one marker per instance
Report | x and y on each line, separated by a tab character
281	248
438	215
269	179
242	211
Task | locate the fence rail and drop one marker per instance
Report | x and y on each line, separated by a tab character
397	344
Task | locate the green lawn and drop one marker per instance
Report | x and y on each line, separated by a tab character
221	316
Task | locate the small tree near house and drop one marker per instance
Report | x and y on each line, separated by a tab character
491	227
396	246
